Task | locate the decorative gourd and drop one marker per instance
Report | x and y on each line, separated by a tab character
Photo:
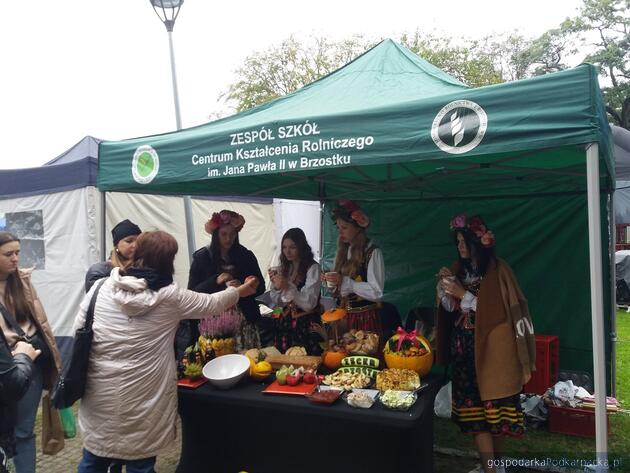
260	370
418	359
332	315
332	359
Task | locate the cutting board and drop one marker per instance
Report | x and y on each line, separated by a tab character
301	389
277	361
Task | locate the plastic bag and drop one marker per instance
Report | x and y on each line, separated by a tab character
442	405
68	423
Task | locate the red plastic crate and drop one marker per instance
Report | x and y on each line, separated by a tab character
573	421
547	364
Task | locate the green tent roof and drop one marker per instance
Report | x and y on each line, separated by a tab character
386	125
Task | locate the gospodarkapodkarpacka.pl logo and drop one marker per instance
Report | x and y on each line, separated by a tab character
459	126
145	164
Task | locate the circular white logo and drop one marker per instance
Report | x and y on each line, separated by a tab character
145	164
459	126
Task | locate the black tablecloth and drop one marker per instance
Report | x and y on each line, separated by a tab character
242	429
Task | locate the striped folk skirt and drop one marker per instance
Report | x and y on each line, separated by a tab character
498	416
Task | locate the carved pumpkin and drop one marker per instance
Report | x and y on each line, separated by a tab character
332	315
332	359
419	363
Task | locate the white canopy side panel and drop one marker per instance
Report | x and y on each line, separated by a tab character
69	228
158	212
151	212
304	214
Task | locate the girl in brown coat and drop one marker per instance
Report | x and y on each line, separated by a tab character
486	334
24	318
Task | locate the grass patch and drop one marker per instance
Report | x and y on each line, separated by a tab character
541	442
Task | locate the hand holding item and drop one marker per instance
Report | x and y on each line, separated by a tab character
224	277
444	272
233	283
332	279
279	282
248	288
453	287
27	349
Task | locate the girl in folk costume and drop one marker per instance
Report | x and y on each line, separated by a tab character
358	277
295	286
484	330
225	262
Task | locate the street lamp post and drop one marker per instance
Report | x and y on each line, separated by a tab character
167	11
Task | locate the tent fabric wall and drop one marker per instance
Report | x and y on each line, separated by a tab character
544	239
70	221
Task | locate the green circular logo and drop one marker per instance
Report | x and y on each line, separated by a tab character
145	164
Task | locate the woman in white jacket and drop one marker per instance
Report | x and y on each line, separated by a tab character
129	408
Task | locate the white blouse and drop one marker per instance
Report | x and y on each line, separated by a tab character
372	289
306	298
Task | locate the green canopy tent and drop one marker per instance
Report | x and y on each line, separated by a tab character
417	146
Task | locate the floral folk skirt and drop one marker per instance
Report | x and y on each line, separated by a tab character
303	331
368	320
497	416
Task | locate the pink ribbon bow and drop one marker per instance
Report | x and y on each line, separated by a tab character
404	335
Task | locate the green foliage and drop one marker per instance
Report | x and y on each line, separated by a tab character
604	27
470	64
601	27
285	68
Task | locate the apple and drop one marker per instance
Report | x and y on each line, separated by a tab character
309	377
293	380
281	376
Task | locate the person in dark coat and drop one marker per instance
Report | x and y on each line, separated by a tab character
224	262
16	369
124	236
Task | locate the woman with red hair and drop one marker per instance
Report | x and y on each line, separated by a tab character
129	410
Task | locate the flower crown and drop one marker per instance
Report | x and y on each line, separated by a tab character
223	218
349	210
475	225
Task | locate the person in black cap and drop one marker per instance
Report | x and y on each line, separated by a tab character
124	235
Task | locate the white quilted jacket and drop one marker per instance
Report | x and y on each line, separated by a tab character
129	408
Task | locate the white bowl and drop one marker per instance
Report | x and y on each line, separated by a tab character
227	370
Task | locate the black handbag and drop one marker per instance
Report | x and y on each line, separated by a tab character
70	385
36	340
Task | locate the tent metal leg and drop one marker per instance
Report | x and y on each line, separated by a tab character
190	230
613	296
597	316
103	220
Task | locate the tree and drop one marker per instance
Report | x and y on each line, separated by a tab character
470	64
285	68
604	25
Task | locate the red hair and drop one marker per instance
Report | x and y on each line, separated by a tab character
156	250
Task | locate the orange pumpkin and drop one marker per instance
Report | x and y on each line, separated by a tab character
332	359
420	363
332	315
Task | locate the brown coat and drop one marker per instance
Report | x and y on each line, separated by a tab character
40	319
504	338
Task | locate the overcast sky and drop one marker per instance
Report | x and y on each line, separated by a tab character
101	68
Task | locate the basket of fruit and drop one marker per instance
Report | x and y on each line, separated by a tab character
408	350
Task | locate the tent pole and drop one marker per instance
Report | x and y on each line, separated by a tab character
613	296
103	232
190	231
597	316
